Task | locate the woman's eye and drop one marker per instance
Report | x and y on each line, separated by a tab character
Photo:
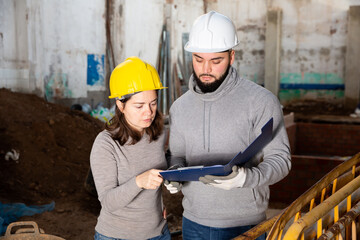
154	104
198	59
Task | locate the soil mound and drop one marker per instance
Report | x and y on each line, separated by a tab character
53	143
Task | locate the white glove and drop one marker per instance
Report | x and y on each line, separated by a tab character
173	187
236	179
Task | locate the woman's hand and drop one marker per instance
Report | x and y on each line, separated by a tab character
150	179
164	213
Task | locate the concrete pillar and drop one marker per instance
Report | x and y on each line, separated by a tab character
272	50
352	61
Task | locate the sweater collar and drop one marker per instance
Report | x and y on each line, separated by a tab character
228	84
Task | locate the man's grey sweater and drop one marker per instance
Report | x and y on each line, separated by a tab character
127	211
211	128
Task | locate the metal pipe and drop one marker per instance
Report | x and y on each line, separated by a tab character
311	217
164	73
258	230
341	224
161	67
310	194
168	73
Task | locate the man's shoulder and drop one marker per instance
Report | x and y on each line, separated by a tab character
254	89
184	99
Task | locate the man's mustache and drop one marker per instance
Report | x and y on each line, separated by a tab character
206	75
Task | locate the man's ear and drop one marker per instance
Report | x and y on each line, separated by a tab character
232	57
120	105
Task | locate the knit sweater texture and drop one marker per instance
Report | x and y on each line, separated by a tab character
209	129
127	211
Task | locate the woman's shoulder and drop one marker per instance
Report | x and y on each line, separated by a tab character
104	136
104	133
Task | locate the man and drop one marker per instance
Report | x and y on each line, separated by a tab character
219	116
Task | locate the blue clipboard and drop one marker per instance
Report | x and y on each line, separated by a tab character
194	172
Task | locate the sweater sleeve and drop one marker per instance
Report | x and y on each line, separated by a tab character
276	162
176	141
104	168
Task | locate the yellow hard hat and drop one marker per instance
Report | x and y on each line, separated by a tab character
131	76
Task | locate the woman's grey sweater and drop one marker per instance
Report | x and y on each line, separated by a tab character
127	211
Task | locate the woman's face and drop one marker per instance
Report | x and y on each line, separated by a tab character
140	109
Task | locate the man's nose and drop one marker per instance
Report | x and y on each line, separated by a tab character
207	67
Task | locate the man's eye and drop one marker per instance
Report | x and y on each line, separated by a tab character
138	106
216	62
154	104
198	59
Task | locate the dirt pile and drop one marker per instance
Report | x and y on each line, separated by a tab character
54	144
317	107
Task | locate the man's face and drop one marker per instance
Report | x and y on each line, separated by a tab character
210	69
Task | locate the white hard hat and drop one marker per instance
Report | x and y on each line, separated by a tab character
212	32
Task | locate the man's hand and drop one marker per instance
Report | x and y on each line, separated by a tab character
236	179
173	187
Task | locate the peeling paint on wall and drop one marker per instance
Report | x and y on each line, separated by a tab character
314	78
95	70
35	34
287	95
56	86
310	85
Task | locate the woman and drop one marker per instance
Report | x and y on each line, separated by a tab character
127	156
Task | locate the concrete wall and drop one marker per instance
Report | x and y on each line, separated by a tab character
14	55
49	47
313	47
135	28
58	49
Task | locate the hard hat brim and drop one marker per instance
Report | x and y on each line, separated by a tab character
206	50
143	90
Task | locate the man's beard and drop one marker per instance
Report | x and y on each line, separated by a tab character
210	87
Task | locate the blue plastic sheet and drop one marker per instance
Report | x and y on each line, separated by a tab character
12	211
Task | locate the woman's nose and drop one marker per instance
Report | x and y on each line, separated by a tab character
148	109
